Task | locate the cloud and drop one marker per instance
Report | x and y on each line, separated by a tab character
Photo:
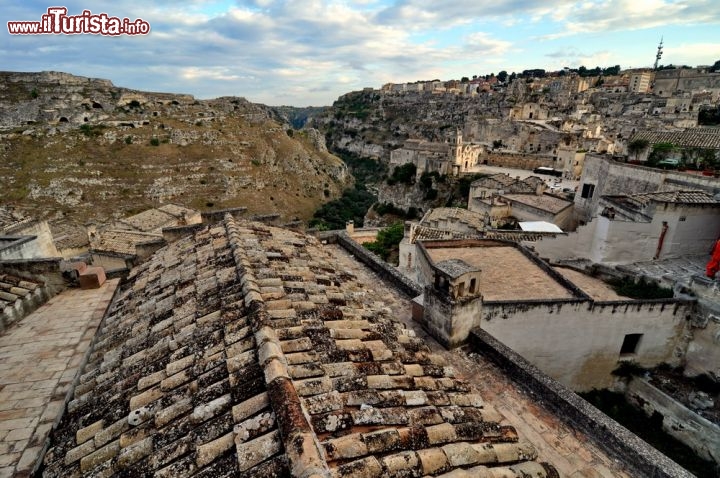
613	15
312	51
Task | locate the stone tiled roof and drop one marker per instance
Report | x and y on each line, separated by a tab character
471	219
544	202
153	220
691	138
244	351
640	201
678	197
121	241
9	219
508	184
454	268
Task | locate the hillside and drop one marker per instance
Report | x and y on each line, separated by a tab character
82	150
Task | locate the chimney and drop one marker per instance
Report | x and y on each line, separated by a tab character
350	227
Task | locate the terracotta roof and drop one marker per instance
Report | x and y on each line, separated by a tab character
678	197
9	219
153	220
472	219
122	241
691	138
246	350
640	201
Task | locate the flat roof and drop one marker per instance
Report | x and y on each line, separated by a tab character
545	202
593	287
507	274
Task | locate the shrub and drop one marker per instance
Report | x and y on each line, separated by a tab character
155	142
642	289
387	241
128	139
404	174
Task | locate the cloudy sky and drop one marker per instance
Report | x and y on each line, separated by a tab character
308	52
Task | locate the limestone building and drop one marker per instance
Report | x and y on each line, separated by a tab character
450	158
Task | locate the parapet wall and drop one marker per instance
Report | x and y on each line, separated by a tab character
607	434
592	334
385	270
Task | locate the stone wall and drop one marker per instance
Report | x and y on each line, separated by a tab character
640	458
613	177
382	268
591	334
36	270
697	432
518	161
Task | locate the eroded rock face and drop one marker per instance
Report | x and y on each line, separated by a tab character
91	150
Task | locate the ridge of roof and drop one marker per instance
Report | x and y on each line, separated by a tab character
245	349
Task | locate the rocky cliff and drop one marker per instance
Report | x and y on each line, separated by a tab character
83	149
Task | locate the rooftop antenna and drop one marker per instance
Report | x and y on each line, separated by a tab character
659	54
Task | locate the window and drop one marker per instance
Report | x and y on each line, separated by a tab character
587	190
630	344
472	285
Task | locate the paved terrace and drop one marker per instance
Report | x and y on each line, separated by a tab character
570	451
39	357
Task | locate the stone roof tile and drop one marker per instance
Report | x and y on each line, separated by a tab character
265	358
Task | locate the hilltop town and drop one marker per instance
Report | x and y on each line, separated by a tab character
414	281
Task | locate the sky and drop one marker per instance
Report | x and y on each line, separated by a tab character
309	52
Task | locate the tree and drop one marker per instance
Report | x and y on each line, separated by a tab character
502	76
715	67
637	146
659	152
464	79
387	241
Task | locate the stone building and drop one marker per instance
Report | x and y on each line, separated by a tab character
603	175
245	350
641	81
450	158
24	238
505	290
501	198
112	245
529	111
642	227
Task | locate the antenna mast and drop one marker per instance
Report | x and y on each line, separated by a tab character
659	54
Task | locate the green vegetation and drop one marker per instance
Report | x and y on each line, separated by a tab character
649	429
364	170
404	174
387	242
91	130
637	146
34	93
660	152
387	208
155	142
354	202
642	289
128	139
352	205
715	67
709	116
